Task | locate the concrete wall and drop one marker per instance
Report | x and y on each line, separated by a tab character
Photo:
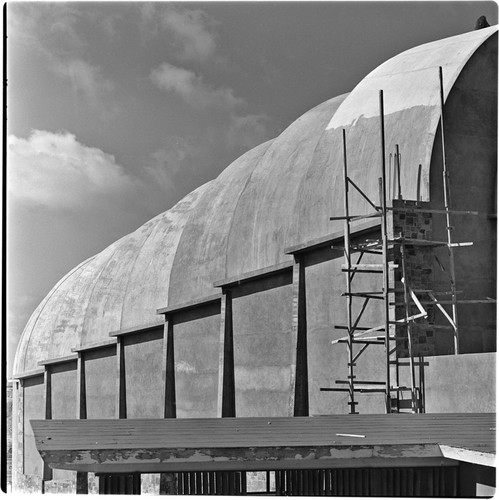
144	374
34	408
63	382
326	309
464	383
100	382
263	348
471	149
63	403
196	348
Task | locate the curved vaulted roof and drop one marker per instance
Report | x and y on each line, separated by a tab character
279	194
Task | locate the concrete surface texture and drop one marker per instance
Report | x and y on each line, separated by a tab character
263	348
276	195
472	387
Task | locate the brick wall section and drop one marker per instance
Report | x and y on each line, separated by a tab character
419	260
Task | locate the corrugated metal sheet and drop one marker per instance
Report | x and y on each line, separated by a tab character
399	482
463	430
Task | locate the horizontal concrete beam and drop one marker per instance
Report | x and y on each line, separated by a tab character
193	304
265	458
254	275
470	456
137	329
28	374
332	238
56	361
95	345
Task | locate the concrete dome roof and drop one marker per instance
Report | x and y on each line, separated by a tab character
278	194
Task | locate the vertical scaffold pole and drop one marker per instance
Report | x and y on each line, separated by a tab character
397	154
414	398
384	235
446	180
349	280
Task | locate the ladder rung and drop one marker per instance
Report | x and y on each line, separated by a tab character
406	363
360	341
372	271
360	382
359	328
356	248
364	295
369	266
334	389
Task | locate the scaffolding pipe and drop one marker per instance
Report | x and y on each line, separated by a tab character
446	187
349	280
386	277
409	329
397	155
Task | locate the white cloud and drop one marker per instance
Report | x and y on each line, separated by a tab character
191	30
56	171
84	77
51	29
191	87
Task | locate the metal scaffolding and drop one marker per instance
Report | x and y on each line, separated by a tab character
397	332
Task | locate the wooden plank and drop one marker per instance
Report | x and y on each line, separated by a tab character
467	430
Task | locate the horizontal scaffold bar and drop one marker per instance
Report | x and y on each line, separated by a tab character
365	295
365	382
361	341
353	218
434	211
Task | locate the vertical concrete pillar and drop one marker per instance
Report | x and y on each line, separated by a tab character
17	434
47	471
300	406
81	413
168	481
169	369
226	385
81	396
121	381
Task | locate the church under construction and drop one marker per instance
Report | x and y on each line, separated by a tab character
319	319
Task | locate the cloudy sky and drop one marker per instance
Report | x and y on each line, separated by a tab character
118	110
